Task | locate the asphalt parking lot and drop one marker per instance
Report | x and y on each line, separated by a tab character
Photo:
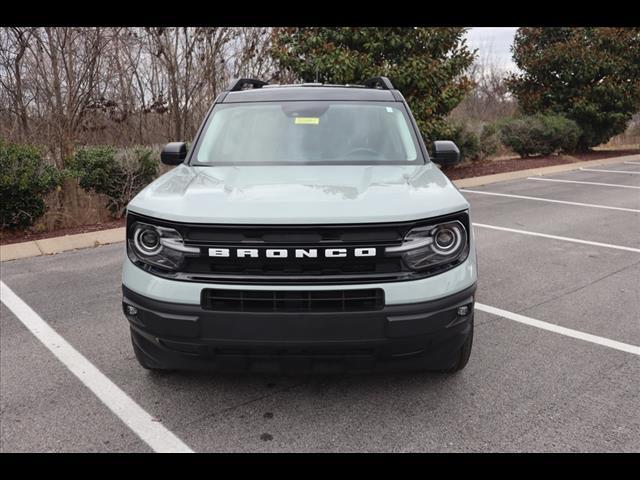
557	368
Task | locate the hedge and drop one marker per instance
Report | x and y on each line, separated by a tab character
118	174
540	134
25	179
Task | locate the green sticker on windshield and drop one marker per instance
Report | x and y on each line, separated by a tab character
307	121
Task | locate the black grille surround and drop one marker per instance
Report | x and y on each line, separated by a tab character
298	301
296	271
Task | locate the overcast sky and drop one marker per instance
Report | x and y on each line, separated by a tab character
493	43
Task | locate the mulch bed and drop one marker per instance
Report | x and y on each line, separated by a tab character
465	170
478	169
8	237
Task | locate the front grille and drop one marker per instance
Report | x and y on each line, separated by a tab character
321	267
295	270
292	300
319	270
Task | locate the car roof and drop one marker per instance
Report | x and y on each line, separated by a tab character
309	92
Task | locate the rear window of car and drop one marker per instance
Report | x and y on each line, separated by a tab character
307	132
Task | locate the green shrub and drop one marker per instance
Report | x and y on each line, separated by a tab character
489	140
24	181
466	139
118	174
540	134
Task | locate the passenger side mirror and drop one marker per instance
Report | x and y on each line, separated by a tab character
445	153
173	153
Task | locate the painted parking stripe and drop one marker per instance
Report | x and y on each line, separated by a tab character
523	197
632	163
608	171
552	327
555	237
153	433
540	179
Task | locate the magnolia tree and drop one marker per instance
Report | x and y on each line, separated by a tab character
591	75
428	65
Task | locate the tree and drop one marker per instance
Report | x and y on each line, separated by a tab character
61	87
427	65
13	47
489	100
187	56
67	62
591	75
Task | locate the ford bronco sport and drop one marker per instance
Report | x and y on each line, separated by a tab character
305	229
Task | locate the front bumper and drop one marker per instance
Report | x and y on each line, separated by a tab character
415	335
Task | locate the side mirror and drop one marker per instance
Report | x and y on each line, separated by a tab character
445	153
173	153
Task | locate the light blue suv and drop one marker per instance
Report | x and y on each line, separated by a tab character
306	229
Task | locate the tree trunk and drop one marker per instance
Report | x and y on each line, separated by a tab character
24	124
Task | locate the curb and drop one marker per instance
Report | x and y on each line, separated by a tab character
565	167
50	246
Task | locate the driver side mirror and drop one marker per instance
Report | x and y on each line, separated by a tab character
445	153
173	153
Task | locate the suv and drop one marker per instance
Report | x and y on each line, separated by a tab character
305	229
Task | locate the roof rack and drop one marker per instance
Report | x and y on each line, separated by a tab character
379	82
237	84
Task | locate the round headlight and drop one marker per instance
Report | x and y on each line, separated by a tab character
147	240
447	240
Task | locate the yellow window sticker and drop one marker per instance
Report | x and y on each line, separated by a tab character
307	121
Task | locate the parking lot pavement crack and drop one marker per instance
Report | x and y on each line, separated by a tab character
236	406
577	289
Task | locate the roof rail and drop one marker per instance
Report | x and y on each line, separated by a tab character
383	82
238	83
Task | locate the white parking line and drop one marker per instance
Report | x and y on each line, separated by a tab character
583	183
133	415
552	327
555	237
608	171
523	197
632	163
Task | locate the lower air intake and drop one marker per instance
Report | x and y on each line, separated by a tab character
293	301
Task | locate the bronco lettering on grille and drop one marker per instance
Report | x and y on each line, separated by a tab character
292	252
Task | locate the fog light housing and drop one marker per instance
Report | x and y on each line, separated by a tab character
131	310
464	310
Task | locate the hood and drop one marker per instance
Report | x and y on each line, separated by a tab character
323	194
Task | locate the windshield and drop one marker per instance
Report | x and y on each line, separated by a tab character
317	132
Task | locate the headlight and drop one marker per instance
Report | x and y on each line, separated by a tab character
158	246
147	240
431	246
